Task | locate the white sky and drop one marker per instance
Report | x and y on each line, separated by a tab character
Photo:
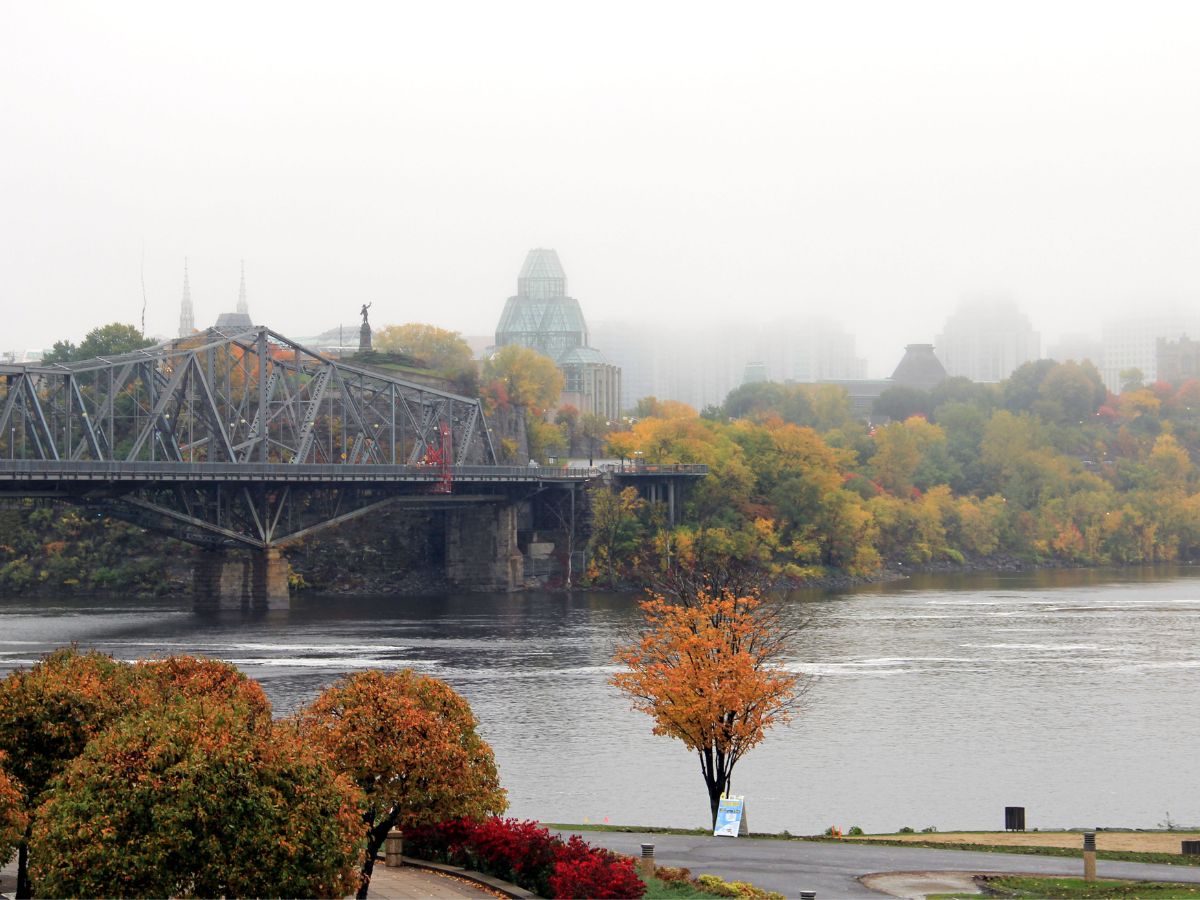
875	162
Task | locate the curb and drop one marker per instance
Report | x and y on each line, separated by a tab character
487	881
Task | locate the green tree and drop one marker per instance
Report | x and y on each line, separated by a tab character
544	440
111	340
1131	379
902	402
60	352
1070	393
197	799
616	529
106	340
592	430
409	743
908	455
566	417
1022	388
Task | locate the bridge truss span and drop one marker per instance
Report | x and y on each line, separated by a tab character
247	439
228	436
250	396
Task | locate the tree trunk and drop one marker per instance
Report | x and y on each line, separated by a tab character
375	838
24	888
368	867
715	779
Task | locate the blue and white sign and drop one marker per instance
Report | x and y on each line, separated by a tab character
731	817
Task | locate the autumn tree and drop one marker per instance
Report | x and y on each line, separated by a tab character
409	743
48	713
163	680
524	376
13	817
437	348
708	668
198	798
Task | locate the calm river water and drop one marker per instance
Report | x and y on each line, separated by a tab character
937	701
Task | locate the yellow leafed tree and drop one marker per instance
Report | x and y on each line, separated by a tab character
707	668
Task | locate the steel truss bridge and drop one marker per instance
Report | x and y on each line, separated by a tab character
246	438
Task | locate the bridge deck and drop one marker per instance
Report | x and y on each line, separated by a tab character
21	471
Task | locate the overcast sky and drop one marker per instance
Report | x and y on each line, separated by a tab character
875	162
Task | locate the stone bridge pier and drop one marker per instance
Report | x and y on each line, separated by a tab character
247	580
481	548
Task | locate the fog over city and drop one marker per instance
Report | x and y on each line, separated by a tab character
872	163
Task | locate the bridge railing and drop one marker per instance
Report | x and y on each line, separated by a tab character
23	470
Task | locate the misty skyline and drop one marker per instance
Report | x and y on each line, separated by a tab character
871	163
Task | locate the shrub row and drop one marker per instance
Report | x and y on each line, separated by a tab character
527	855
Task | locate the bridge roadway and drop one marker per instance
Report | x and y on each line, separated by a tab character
23	476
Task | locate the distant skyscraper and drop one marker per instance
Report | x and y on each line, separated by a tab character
1178	361
1132	342
542	317
987	339
809	350
1077	347
635	350
186	316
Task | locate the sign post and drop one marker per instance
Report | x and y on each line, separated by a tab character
731	818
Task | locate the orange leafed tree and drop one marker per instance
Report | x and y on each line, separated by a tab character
409	742
707	668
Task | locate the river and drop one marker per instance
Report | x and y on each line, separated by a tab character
935	701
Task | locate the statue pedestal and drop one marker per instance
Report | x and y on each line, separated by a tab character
364	338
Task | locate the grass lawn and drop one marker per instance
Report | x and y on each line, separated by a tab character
656	888
1052	888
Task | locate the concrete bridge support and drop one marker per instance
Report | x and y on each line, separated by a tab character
481	548
253	580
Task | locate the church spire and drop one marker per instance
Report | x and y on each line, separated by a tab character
242	306
186	318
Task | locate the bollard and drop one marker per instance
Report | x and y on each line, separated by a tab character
1089	856
646	864
808	895
393	848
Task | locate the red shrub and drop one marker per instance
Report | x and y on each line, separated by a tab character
527	854
584	871
520	852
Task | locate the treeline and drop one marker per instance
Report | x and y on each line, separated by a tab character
1047	467
64	548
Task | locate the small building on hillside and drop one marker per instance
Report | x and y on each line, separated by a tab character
919	368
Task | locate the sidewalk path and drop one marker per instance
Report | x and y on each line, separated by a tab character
833	870
403	883
411	883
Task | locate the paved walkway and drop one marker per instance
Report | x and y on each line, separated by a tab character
404	883
834	870
411	883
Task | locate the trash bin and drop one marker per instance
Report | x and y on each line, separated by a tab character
1014	818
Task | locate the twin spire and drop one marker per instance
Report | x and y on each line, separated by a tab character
187	320
187	316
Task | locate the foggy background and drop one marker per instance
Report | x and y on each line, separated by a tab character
875	162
